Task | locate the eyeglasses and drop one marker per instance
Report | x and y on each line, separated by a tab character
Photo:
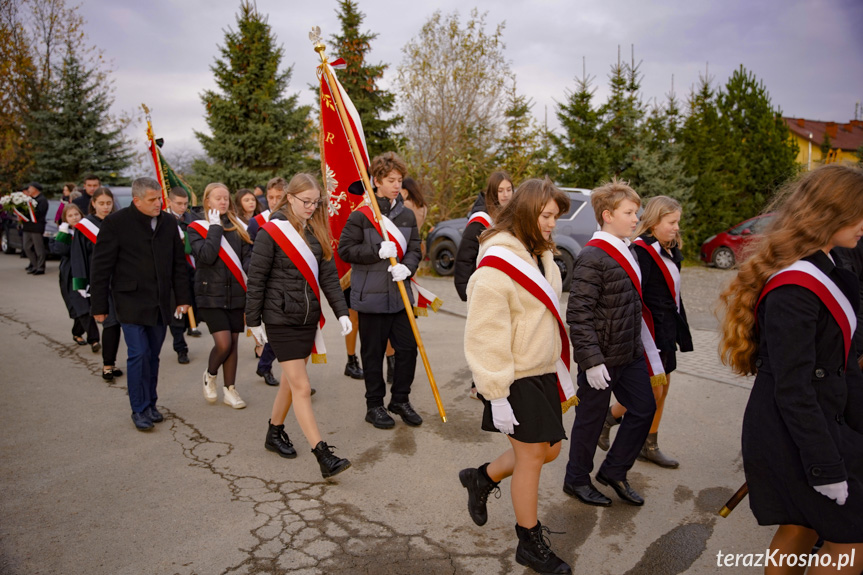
313	203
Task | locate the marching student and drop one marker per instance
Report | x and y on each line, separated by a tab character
246	204
611	334
275	194
497	194
659	257
178	205
292	263
222	250
83	243
517	350
79	307
789	318
375	296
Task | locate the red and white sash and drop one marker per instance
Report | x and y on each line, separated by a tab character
262	218
226	253
537	285
482	218
619	252
88	228
666	266
295	247
806	274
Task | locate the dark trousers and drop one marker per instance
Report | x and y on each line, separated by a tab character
268	356
375	330
177	332
34	247
144	342
631	386
86	324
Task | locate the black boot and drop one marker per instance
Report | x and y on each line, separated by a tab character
534	551
330	464
604	439
279	442
650	452
479	487
353	369
391	367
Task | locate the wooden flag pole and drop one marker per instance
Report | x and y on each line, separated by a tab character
319	48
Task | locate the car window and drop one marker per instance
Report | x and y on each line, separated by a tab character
738	229
759	225
574	205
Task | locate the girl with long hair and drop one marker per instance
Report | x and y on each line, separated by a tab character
789	318
292	264
87	234
514	341
246	204
659	257
222	250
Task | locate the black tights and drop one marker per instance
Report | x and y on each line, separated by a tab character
110	344
224	353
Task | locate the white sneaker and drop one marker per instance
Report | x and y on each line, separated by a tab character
211	394
232	398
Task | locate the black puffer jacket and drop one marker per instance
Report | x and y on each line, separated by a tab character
372	287
278	292
603	313
669	326
465	258
215	285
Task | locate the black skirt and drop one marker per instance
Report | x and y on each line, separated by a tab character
668	359
535	402
291	342
218	319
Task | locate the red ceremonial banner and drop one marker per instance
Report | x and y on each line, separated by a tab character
337	162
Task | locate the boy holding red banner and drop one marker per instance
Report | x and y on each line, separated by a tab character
612	338
376	297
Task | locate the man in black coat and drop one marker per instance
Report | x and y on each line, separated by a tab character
91	184
141	259
34	245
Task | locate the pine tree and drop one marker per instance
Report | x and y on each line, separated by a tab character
75	134
580	150
520	148
621	115
360	80
256	131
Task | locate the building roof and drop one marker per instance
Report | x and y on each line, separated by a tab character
843	136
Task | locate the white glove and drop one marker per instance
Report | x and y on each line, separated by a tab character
259	333
64	227
400	272
85	293
597	377
838	492
213	218
347	326
178	314
388	250
502	416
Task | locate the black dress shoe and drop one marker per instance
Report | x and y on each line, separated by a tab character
29	269
587	494
95	346
268	378
38	272
142	421
117	372
379	417
193	332
622	488
154	414
407	413
183	357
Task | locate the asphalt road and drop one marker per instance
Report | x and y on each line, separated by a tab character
84	492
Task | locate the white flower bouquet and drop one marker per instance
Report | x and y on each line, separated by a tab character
19	205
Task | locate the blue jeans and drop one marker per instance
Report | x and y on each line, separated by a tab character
144	343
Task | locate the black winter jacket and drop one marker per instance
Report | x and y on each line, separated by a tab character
215	285
40	210
669	326
278	292
465	258
603	313
372	287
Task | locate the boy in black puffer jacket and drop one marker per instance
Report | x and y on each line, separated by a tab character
376	297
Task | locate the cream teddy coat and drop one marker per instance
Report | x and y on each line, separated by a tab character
509	333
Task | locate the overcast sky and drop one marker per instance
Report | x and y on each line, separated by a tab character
809	53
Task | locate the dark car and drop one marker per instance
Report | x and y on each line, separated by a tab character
11	240
728	248
574	229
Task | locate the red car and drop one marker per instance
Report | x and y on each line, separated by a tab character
728	248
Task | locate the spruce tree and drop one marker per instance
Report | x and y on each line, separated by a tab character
75	134
520	148
621	115
257	132
360	80
580	150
